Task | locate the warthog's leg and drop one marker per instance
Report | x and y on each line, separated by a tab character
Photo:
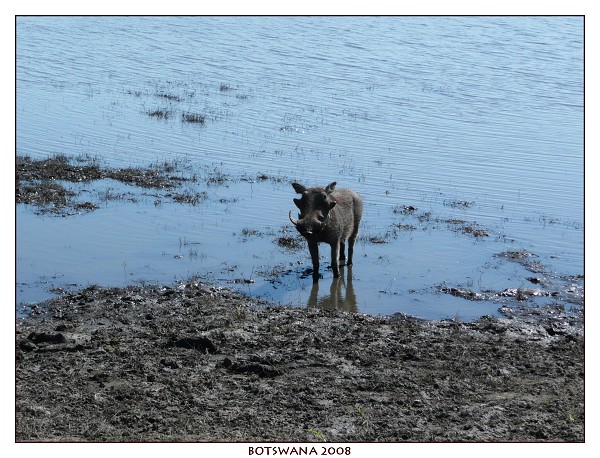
335	253
342	251
313	247
351	247
314	295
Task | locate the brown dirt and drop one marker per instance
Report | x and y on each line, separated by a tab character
198	363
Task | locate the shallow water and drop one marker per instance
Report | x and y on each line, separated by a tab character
463	118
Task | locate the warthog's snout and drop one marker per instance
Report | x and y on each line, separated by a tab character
306	227
330	216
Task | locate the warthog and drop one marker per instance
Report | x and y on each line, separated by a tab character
330	216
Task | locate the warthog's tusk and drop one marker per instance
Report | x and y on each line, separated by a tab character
294	222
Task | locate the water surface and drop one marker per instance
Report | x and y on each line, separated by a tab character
478	119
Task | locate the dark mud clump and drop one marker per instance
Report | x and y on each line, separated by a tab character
199	363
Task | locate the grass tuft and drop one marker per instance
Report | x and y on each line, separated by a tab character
193	118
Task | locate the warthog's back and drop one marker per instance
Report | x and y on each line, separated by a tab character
345	217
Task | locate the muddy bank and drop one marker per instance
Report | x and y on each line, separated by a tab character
199	363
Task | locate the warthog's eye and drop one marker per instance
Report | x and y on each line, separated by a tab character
321	218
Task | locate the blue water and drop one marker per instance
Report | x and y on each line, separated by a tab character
420	111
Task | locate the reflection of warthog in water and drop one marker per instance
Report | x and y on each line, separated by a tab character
336	300
329	216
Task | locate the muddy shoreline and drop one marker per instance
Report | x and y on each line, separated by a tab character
197	363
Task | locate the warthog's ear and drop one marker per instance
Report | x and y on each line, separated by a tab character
297	202
330	187
298	188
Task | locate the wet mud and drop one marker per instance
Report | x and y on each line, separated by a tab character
194	362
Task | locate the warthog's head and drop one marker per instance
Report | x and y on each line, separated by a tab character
314	205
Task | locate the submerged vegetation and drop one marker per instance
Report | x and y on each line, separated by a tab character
187	117
44	182
193	118
173	94
160	113
292	243
86	168
54	184
170	97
